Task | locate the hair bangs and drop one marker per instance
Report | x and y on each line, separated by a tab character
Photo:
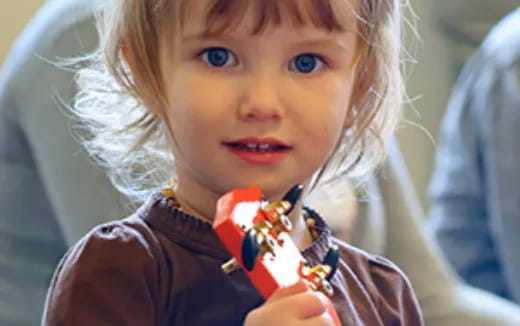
226	15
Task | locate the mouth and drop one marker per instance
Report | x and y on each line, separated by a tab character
258	145
258	151
251	147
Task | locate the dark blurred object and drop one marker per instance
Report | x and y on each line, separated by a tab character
475	188
50	194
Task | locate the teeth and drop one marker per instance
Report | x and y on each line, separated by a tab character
258	147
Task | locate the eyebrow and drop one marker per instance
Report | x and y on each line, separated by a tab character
321	43
328	42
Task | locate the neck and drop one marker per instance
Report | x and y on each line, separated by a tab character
300	233
199	204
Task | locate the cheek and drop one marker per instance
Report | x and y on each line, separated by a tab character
198	99
328	102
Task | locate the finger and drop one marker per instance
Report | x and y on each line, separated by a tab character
299	287
309	305
290	310
321	320
301	306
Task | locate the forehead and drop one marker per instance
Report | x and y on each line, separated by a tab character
214	17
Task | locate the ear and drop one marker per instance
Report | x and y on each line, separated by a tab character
364	80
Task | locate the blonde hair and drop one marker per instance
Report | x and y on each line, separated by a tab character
131	143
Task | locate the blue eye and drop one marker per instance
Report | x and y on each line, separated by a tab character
306	63
219	57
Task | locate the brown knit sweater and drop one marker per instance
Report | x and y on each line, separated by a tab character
162	267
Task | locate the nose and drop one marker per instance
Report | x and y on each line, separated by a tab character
261	99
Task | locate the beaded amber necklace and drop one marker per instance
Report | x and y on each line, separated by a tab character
169	194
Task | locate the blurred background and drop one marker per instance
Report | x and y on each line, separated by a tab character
449	29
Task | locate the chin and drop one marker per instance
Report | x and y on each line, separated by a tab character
277	193
273	185
271	192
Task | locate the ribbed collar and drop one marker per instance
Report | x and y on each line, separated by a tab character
198	236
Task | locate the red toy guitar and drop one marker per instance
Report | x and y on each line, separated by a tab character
256	234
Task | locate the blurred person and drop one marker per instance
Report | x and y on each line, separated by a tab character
389	222
50	194
475	189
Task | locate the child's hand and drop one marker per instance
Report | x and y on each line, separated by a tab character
294	305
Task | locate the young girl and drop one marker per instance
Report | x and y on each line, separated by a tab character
240	93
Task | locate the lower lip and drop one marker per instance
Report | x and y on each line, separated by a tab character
253	157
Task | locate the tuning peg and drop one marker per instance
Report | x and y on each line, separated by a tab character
331	259
316	277
275	213
283	224
319	276
230	266
326	288
292	197
250	249
276	209
257	243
